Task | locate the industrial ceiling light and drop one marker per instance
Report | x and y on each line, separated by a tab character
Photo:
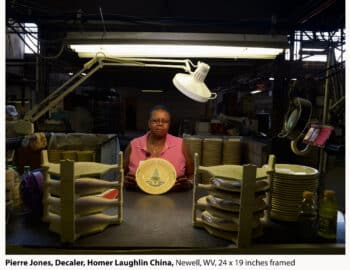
175	51
192	85
177	44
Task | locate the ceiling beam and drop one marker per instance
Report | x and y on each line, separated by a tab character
269	41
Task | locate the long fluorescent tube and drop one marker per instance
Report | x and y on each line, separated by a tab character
162	50
152	91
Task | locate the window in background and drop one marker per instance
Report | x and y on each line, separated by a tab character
312	46
31	38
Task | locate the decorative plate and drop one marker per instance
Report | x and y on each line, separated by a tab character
155	176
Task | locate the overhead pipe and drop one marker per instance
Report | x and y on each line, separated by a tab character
316	11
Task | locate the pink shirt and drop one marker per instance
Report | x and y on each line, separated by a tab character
172	152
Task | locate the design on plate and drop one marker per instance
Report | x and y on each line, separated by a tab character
154	180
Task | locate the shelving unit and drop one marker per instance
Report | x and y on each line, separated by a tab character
79	187
233	210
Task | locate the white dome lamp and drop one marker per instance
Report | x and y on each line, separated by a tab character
192	85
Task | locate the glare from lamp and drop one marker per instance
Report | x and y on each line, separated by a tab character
163	50
254	92
192	85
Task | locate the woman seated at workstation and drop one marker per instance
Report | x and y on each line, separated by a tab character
158	143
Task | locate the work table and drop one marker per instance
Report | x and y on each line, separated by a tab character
159	224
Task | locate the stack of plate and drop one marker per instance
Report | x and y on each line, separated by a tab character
211	152
221	207
195	145
231	151
211	155
289	181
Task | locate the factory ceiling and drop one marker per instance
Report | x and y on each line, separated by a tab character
57	19
220	16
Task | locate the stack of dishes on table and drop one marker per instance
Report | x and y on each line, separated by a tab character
231	151
289	181
211	155
220	209
211	152
194	144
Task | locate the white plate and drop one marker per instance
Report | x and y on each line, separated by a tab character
235	185
155	176
233	172
295	170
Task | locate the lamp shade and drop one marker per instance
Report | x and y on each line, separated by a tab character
192	85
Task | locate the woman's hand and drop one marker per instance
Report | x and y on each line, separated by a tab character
130	182
182	183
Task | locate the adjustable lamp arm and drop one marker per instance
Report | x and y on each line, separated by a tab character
90	68
184	64
61	92
25	126
190	84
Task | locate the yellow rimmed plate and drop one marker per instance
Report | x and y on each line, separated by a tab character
298	171
155	176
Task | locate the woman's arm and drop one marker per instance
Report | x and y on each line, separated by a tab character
126	159
189	161
129	180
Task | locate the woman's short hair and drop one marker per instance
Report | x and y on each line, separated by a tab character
157	108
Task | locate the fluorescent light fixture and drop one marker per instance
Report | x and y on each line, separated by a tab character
271	78
174	51
254	92
152	91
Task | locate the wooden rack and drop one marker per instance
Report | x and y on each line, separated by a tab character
67	221
246	195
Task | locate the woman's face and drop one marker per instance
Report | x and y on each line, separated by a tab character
159	123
